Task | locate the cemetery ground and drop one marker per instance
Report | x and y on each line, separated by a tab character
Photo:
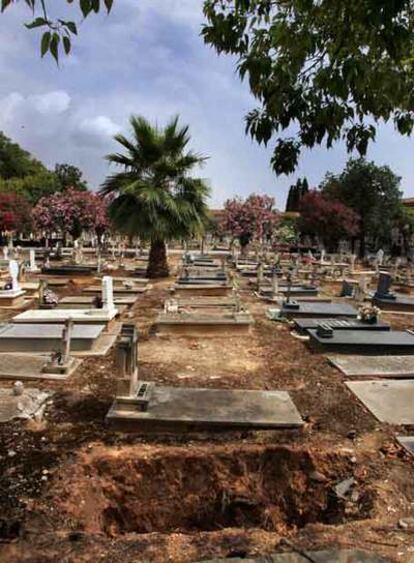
73	490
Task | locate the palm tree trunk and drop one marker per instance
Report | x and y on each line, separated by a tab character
157	261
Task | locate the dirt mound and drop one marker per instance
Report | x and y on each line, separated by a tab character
144	490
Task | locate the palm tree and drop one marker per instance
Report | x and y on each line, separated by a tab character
154	197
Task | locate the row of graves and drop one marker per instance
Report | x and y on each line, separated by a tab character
376	361
49	342
204	302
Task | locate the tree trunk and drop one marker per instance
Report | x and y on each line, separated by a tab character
157	261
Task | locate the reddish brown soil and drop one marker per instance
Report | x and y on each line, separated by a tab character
76	491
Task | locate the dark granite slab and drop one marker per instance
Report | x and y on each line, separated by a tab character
376	342
338	324
320	310
69	269
400	303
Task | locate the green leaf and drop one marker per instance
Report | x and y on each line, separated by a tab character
4	4
54	46
86	7
38	22
66	44
108	4
72	27
95	5
44	45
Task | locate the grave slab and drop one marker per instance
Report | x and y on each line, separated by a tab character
185	409
216	290
54	316
118	290
46	338
394	367
303	325
319	310
24	406
295	291
375	342
202	323
86	301
30	366
407	442
325	556
401	303
69	269
389	401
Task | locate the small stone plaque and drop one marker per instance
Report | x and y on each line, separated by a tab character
389	401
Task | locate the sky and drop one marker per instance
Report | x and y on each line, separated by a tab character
147	57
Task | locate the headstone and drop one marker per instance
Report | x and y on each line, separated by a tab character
107	293
347	289
379	259
127	360
14	274
275	282
32	261
383	288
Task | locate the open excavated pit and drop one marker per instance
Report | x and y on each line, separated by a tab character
146	489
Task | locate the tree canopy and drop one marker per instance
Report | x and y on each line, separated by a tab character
296	193
71	211
22	174
327	218
155	196
321	70
57	33
251	219
373	192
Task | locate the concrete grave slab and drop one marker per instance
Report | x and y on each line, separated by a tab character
175	408
389	401
215	290
407	442
203	323
319	310
338	324
394	367
374	342
55	316
28	405
118	290
26	337
325	556
86	301
28	367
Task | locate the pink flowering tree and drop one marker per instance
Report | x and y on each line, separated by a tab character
72	212
328	219
251	219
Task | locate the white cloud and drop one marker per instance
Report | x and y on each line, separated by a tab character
56	102
100	126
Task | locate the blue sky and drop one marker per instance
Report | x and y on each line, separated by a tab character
147	57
